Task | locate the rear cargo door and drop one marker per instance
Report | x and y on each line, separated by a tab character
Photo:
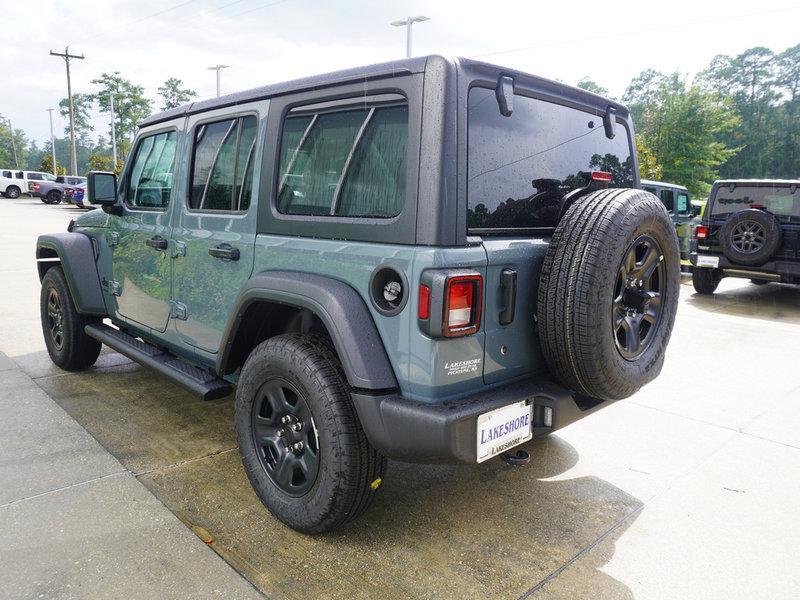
520	167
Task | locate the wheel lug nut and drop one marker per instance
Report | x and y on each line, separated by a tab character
286	419
297	426
297	446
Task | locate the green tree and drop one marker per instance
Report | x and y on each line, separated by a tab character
130	106
788	82
46	165
683	126
82	115
590	86
174	94
649	168
9	141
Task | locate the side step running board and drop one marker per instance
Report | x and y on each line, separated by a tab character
198	381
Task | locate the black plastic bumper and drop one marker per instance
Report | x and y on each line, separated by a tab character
787	271
423	432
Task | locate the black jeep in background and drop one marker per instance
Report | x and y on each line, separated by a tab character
751	229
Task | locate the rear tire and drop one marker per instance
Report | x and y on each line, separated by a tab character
612	267
759	281
12	192
705	281
63	327
299	377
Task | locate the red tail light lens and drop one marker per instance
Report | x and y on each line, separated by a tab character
424	305
601	176
462	306
701	232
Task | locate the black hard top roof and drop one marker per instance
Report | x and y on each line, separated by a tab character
406	66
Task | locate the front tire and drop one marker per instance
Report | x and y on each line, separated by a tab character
608	292
705	281
301	443
63	327
53	197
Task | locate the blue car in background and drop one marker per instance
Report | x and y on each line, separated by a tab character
77	195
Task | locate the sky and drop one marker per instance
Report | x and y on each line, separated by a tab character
265	41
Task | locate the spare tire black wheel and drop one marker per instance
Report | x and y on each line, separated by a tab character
608	292
750	237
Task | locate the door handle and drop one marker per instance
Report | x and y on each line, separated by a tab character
224	252
508	282
157	242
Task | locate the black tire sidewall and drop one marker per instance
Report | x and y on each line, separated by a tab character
53	197
772	228
646	217
13	192
704	280
325	393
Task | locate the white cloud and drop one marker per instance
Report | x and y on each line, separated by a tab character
267	40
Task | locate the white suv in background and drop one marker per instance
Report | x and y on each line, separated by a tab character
13	183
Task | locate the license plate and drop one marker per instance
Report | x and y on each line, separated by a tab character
503	428
708	261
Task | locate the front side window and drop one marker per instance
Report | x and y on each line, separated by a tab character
222	172
667	198
150	179
520	167
35	177
349	162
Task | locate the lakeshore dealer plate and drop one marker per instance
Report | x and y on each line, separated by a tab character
503	428
707	261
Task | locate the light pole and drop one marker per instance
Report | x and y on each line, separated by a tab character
13	143
113	130
408	22
67	57
218	68
53	142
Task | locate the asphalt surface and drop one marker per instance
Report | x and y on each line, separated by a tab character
687	490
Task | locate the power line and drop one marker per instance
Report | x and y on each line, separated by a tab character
636	31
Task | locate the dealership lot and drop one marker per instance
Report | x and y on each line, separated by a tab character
687	490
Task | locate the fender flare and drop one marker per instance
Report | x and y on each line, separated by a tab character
76	254
340	308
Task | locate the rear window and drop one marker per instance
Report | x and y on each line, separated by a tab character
349	162
521	166
782	201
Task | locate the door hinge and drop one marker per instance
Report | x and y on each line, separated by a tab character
178	249
112	239
112	286
177	310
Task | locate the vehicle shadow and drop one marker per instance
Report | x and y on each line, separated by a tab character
432	531
771	302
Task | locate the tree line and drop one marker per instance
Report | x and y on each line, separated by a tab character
130	107
737	118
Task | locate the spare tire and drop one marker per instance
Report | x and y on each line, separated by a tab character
750	237
608	292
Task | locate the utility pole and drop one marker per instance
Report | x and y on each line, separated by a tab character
67	56
407	23
53	142
218	68
113	130
13	143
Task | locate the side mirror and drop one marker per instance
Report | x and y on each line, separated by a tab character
101	188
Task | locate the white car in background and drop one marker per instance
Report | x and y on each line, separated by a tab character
14	183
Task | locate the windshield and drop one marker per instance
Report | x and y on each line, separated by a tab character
521	166
780	200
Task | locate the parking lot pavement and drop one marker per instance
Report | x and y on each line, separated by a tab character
687	490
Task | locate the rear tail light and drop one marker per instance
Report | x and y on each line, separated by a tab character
701	232
758	206
462	314
424	304
604	176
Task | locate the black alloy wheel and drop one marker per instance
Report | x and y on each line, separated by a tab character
285	436
638	297
748	237
55	318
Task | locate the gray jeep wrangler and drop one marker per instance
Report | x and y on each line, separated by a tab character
428	260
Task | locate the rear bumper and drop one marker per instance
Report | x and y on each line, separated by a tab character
446	432
773	270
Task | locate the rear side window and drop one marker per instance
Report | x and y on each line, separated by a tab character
520	167
782	201
150	179
349	162
683	203
7	174
222	168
